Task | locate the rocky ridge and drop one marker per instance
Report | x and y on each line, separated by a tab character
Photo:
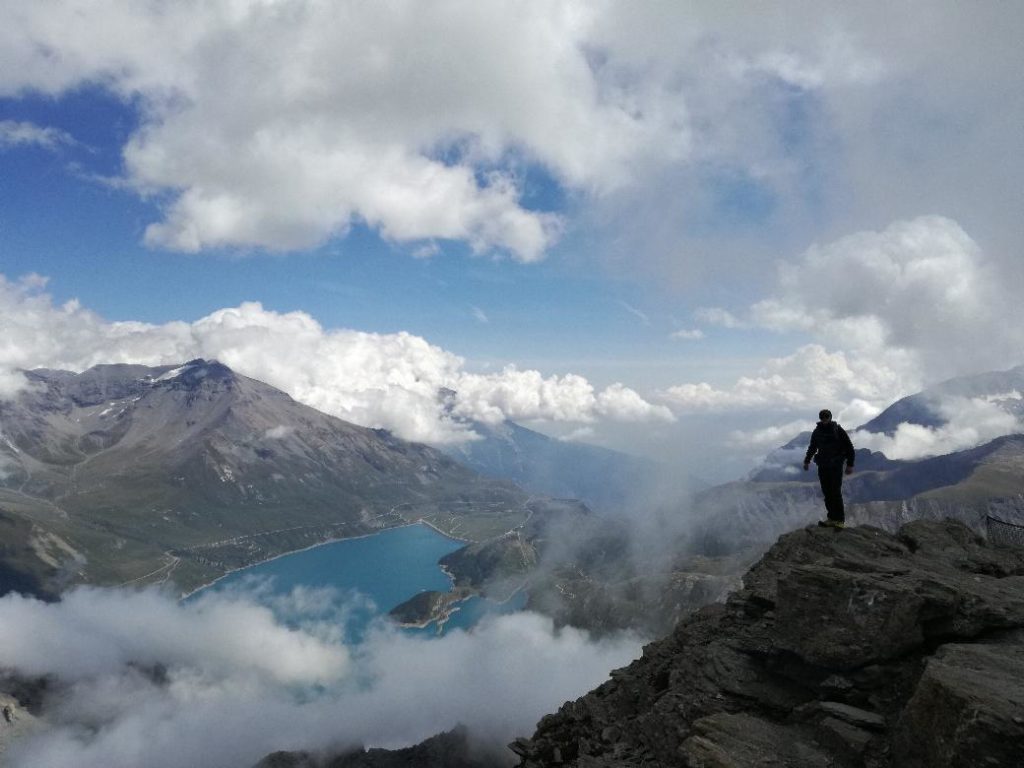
843	648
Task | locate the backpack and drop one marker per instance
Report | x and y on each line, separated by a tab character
830	446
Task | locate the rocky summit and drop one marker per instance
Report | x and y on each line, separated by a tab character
843	648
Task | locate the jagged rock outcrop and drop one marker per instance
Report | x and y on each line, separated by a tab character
843	648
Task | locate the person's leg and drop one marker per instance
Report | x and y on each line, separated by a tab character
832	488
826	489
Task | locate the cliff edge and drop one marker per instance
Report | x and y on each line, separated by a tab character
842	648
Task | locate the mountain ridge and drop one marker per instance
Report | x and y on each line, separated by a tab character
131	473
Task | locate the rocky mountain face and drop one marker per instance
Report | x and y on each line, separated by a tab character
843	648
131	474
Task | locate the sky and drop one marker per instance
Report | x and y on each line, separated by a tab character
673	228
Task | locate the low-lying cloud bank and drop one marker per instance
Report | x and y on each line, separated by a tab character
146	681
391	381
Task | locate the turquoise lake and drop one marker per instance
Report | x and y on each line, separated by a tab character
371	575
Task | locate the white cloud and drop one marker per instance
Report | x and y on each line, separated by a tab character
390	381
692	334
922	286
279	124
621	403
915	303
525	395
480	315
581	434
94	632
720	317
139	679
968	422
810	378
768	437
426	251
15	134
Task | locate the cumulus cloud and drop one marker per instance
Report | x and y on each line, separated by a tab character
139	679
923	286
390	381
892	304
19	134
278	125
810	378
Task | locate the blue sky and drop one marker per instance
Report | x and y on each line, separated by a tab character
63	217
663	217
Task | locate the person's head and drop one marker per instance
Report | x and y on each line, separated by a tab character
825	415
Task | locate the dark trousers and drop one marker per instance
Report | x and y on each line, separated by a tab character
831	479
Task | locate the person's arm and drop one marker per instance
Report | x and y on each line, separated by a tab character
811	450
851	454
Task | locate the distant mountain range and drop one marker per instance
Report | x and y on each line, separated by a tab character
606	480
1005	388
127	473
131	474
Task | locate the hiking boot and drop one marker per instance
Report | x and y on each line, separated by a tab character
831	524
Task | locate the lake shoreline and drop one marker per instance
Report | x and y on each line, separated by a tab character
421	521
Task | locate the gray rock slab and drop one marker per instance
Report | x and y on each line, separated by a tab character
744	741
967	709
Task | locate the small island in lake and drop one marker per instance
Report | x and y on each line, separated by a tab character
428	607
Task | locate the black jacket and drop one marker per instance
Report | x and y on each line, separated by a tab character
830	445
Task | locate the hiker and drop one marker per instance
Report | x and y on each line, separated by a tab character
8	713
830	448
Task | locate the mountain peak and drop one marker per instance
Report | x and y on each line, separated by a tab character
194	372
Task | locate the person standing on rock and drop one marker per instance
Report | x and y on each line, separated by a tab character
831	448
